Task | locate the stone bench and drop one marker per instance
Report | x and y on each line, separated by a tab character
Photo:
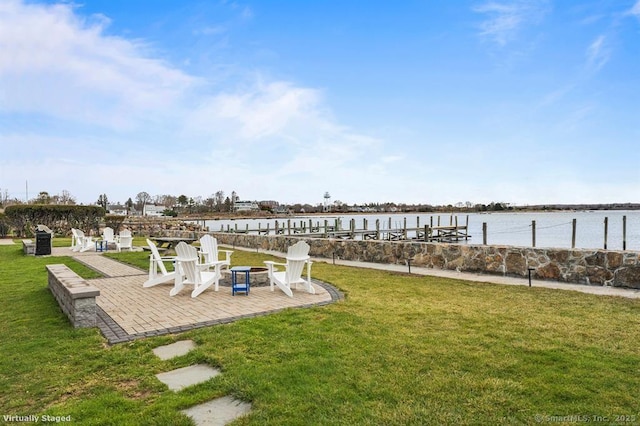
29	247
75	295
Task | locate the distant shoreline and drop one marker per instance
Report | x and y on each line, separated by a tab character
541	208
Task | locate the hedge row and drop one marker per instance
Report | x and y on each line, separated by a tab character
23	219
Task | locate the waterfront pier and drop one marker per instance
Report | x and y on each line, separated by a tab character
434	231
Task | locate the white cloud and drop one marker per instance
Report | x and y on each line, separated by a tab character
597	54
505	19
635	10
57	64
111	118
253	113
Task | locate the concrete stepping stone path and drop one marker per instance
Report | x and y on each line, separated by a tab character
173	350
219	411
180	378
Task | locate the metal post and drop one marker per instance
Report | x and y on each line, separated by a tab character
606	231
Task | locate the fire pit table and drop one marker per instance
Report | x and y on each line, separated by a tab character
258	276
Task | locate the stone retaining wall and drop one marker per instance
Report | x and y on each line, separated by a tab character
591	267
76	297
162	227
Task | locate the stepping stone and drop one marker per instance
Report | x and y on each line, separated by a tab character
187	376
174	349
217	412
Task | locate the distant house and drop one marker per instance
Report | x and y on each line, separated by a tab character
246	206
153	210
117	209
281	210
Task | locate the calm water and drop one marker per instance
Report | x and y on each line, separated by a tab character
553	229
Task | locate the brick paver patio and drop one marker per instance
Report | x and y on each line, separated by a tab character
127	311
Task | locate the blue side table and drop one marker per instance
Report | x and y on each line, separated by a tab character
235	285
102	245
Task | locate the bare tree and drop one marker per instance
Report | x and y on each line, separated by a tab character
210	202
65	198
4	197
219	196
142	199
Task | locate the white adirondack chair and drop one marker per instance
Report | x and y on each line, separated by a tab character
191	273
74	239
108	236
156	262
297	258
124	240
79	241
209	252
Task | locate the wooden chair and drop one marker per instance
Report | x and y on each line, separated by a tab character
79	241
209	252
124	240
297	258
190	272
108	236
156	262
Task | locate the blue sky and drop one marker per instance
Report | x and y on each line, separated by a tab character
438	102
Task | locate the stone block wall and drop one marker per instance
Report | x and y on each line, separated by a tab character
76	297
161	227
591	267
29	247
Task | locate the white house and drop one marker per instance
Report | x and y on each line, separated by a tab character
117	209
153	210
245	206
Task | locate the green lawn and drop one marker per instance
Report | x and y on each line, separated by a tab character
400	349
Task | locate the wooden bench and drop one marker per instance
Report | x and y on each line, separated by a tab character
29	247
74	294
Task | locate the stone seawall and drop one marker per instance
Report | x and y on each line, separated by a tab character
591	267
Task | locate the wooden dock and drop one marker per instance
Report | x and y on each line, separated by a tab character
432	232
